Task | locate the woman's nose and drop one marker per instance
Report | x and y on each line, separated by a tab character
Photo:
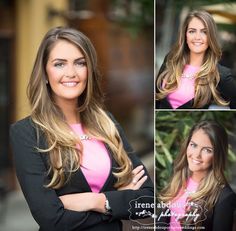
198	35
70	71
197	153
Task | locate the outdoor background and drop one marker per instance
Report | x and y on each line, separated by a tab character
172	128
170	14
123	35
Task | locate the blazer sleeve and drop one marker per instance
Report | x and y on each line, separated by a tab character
227	86
44	204
163	103
122	202
162	68
223	217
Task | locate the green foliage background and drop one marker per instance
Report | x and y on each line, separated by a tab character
172	128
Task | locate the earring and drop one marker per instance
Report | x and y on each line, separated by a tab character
46	81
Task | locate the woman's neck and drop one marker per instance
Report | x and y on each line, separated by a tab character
72	115
197	177
196	59
69	109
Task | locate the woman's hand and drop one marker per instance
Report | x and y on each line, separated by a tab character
82	202
137	180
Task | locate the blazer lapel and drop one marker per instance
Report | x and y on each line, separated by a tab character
109	183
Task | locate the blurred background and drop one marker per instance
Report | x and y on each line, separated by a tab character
170	14
122	32
172	128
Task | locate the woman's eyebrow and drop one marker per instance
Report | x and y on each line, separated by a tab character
81	58
58	59
190	28
65	60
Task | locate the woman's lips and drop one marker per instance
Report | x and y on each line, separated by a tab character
196	161
69	84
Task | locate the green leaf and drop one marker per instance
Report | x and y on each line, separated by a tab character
161	160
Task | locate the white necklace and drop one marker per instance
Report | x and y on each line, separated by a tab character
188	76
84	137
188	192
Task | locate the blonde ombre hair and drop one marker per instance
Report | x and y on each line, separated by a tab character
211	185
207	77
63	155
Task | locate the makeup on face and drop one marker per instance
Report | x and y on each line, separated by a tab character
196	37
200	153
67	72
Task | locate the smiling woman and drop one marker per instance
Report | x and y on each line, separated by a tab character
67	76
190	76
198	195
199	154
75	167
196	38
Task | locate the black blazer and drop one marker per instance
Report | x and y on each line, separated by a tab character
226	88
221	218
44	204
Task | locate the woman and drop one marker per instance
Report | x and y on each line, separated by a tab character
198	195
191	76
74	164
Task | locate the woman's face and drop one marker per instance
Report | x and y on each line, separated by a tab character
67	72
200	154
196	37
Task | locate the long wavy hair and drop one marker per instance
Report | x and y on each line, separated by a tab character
211	185
207	77
64	157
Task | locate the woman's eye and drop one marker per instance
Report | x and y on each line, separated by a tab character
193	145
207	150
81	63
59	64
191	31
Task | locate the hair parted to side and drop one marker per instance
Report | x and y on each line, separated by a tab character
211	185
208	76
64	156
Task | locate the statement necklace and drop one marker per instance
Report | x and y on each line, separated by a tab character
188	76
188	192
84	137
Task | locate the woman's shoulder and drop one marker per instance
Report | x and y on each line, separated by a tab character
223	70
25	122
227	188
24	126
227	193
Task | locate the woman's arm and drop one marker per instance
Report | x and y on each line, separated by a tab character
90	201
83	202
46	208
122	202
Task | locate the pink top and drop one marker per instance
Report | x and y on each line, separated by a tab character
178	205
185	91
95	163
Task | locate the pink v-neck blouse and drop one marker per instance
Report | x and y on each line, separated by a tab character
178	205
95	163
185	91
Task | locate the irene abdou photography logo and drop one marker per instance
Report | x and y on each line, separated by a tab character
140	208
167	210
